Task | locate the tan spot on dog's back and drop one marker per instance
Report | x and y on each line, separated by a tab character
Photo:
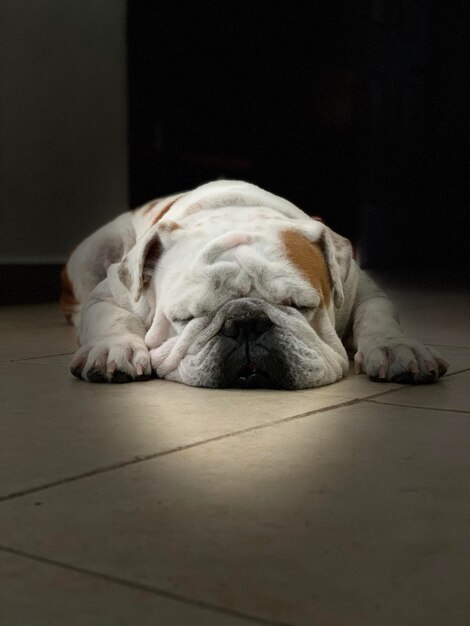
164	210
152	204
309	260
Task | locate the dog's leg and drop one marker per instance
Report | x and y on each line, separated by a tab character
112	342
384	353
88	264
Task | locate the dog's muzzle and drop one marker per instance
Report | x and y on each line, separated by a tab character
246	331
249	343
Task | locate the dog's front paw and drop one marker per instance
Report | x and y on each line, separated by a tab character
112	360
400	360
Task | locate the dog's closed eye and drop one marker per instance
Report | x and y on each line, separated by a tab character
293	305
182	320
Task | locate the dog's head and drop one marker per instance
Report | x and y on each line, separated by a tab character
244	301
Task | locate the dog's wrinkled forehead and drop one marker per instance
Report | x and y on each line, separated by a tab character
243	308
279	266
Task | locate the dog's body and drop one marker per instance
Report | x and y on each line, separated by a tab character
229	285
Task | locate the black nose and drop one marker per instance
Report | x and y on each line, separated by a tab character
246	327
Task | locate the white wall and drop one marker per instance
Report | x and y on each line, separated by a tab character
63	153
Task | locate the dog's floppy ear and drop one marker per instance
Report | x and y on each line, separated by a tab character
137	267
338	255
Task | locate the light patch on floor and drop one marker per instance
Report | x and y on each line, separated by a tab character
155	503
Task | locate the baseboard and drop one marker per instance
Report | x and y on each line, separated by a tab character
29	283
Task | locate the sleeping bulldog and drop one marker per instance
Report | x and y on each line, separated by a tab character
231	286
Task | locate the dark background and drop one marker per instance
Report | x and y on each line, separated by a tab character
354	111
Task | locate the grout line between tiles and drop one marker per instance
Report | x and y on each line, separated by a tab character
43	356
156	455
123	582
465	369
418	406
446	345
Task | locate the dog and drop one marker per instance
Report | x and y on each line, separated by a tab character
228	285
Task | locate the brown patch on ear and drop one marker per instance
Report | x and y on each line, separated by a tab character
309	260
165	209
68	302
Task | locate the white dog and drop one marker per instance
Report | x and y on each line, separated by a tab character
229	285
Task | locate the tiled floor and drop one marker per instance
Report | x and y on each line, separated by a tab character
160	504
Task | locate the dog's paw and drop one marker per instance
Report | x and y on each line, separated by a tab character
400	360
112	360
